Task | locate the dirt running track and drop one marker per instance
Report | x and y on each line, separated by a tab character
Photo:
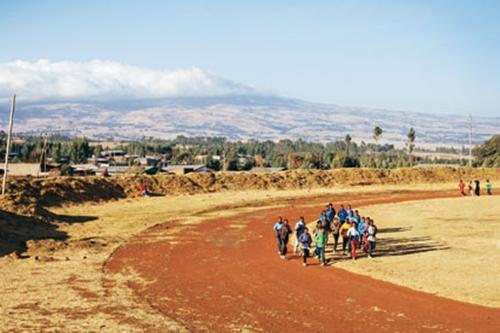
219	277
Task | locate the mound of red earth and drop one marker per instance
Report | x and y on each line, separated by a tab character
224	275
25	194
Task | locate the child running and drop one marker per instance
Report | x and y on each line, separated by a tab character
320	242
353	235
305	241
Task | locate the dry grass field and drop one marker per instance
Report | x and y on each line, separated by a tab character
454	252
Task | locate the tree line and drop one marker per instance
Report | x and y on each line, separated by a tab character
218	153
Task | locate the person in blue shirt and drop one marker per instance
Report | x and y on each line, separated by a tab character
305	240
276	229
350	212
342	214
330	213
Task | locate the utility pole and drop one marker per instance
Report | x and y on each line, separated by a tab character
7	150
470	141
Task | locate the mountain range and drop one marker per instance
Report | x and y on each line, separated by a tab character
241	117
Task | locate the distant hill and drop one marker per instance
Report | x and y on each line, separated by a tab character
243	117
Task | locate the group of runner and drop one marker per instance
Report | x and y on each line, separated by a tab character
357	232
474	188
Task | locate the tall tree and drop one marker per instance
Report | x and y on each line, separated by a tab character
347	140
377	133
410	144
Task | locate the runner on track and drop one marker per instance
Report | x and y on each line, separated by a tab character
300	227
305	240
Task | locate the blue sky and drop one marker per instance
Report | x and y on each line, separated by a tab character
428	56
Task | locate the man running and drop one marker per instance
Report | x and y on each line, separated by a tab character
330	213
284	234
276	228
342	214
305	240
299	230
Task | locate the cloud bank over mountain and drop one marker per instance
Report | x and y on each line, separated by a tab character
107	80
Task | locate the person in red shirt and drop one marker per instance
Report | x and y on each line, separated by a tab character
461	186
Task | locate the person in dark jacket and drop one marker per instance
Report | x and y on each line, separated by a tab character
284	235
477	189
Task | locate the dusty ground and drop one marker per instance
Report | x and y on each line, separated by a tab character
66	290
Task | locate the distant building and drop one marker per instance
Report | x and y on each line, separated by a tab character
184	169
147	161
23	169
84	169
113	153
267	170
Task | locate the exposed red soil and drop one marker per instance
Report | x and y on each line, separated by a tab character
220	278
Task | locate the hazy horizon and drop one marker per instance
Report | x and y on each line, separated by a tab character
417	56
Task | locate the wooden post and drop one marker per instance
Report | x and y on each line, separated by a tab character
7	150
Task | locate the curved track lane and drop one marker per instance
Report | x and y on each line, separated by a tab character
218	276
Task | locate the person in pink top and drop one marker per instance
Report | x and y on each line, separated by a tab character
353	235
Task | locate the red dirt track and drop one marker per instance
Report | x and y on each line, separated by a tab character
217	277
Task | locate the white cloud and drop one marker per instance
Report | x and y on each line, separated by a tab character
101	79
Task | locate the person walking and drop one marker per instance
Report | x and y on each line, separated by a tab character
320	243
353	235
470	188
276	229
305	241
461	187
477	189
300	226
284	234
489	187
